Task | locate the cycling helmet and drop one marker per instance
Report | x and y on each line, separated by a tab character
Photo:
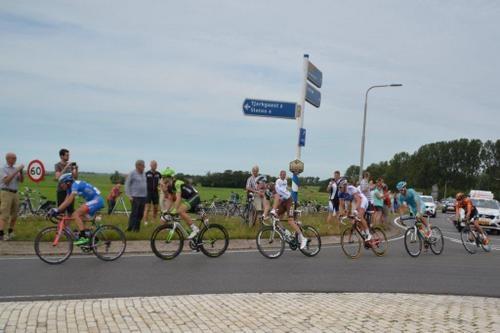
168	172
459	196
342	181
401	185
66	178
261	179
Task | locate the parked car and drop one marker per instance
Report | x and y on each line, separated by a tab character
430	205
448	206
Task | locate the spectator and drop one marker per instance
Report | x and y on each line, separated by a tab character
366	186
333	197
10	177
378	202
152	199
62	167
387	202
253	189
113	195
136	190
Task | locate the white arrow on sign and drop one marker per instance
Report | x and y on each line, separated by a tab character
247	106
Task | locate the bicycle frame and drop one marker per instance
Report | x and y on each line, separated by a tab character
61	226
177	224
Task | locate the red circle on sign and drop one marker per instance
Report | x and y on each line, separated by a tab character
36	171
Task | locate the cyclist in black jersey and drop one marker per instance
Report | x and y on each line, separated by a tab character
181	198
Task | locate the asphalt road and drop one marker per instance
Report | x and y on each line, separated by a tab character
453	272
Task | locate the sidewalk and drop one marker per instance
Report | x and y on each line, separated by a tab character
280	312
22	248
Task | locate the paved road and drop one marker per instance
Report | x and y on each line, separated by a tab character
454	272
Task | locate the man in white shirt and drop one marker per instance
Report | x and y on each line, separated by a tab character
283	203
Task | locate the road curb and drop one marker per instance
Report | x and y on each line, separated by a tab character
25	248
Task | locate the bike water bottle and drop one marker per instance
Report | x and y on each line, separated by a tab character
288	234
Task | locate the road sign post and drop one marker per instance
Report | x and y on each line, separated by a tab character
312	96
36	171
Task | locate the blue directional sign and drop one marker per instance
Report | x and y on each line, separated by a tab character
302	137
314	75
263	108
313	96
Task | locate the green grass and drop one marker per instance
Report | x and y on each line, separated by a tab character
103	183
27	228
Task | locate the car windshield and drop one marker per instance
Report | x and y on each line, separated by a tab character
427	199
483	203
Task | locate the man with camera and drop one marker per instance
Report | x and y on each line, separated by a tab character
62	167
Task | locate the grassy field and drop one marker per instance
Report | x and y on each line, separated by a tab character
103	183
27	228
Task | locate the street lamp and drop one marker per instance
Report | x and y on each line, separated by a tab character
364	125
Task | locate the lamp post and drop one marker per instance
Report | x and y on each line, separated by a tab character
364	125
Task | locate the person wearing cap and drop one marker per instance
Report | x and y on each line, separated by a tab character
181	198
136	190
93	203
10	177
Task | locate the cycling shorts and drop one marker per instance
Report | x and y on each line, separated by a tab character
286	205
94	205
364	203
192	204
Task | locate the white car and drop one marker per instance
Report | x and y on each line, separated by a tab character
489	213
430	205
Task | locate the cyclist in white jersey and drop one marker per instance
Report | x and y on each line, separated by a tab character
283	203
349	191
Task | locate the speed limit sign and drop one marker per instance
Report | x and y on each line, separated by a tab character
36	171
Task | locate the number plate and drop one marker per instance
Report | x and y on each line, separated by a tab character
484	221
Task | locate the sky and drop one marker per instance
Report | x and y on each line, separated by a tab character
116	81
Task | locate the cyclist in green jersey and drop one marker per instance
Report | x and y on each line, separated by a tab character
181	198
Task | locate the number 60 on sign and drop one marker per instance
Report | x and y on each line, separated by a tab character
36	171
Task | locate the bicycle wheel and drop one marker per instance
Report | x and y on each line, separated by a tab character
270	242
468	240
108	242
313	241
214	240
167	242
50	251
351	242
436	241
413	242
379	242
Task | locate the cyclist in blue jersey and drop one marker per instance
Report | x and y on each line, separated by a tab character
94	202
410	199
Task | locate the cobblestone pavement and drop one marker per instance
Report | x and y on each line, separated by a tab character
290	312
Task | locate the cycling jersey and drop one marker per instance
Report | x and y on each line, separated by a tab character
187	191
467	205
349	194
411	198
92	196
281	187
85	190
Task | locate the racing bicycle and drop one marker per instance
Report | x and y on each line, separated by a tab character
352	239
415	237
167	240
271	238
54	244
473	239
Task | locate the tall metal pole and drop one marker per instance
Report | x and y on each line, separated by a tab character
363	135
302	102
300	124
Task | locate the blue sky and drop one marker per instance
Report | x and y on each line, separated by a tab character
119	80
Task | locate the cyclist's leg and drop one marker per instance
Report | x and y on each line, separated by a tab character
183	213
